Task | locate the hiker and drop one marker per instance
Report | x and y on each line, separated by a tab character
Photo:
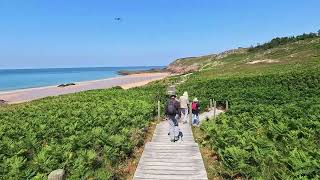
195	111
184	107
172	109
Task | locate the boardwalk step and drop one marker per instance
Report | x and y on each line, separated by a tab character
169	177
168	163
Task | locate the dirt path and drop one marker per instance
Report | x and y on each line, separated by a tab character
208	115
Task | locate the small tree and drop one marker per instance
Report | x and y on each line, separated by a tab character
319	32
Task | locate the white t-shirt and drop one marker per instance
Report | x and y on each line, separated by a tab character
184	101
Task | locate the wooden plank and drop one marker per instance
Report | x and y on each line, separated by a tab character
170	177
171	172
169	163
171	168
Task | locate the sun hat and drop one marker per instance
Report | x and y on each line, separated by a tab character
172	93
185	94
195	100
171	90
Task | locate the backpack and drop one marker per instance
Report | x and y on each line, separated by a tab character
171	109
194	106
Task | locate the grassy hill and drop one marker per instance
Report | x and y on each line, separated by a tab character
245	62
271	130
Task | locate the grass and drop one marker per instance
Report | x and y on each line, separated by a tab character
129	168
90	134
213	167
300	54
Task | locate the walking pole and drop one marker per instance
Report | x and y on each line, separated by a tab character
210	104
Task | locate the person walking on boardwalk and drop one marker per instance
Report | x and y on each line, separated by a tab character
171	110
184	107
195	112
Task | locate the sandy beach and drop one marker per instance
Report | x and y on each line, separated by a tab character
126	82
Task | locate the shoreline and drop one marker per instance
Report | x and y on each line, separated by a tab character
51	86
126	82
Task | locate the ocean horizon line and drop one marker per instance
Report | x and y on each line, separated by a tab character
81	67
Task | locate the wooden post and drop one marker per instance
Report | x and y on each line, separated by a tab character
159	115
213	103
190	114
227	105
210	104
214	109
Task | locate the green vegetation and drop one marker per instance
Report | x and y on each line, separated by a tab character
241	62
283	40
89	134
272	128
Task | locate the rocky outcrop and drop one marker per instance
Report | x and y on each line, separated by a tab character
127	72
65	85
3	102
182	69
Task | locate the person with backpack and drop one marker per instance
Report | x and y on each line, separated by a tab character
184	105
172	109
195	112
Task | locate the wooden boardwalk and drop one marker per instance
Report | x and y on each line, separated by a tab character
163	159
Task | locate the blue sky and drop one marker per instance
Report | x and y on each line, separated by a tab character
80	33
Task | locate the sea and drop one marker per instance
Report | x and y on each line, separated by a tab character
14	79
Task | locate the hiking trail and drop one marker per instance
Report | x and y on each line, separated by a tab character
162	159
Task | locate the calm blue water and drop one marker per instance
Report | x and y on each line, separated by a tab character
12	79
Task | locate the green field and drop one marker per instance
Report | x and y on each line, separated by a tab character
89	134
272	128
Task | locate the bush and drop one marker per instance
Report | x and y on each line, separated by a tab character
272	128
89	134
282	41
